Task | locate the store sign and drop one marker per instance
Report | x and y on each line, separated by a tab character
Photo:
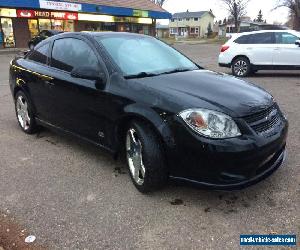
140	13
47	14
144	20
95	18
8	12
113	19
53	5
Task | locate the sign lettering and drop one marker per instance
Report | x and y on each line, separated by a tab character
47	14
53	5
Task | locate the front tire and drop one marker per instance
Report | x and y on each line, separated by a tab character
24	113
145	158
241	67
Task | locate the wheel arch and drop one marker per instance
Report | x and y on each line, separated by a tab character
26	92
241	55
147	115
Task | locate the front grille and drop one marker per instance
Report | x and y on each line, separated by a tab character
265	120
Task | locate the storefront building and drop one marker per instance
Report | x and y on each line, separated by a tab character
21	20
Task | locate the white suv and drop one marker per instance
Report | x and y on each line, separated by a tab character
249	52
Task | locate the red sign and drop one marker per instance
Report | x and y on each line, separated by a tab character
47	14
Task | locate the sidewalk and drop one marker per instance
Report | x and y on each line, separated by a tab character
8	51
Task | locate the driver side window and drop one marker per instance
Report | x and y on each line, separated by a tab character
285	38
68	53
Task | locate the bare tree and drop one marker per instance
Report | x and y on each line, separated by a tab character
237	9
159	2
294	7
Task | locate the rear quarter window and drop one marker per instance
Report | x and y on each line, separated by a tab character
39	55
242	39
259	38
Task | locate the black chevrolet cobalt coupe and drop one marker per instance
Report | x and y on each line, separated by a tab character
134	94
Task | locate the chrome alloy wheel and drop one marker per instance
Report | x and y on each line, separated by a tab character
22	113
240	68
134	156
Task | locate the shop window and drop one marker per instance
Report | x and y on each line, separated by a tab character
39	55
44	24
109	27
8	33
50	24
33	27
8	12
146	30
69	25
77	52
57	25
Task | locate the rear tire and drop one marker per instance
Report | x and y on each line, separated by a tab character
24	113
241	67
145	157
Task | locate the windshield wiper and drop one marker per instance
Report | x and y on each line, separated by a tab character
140	75
176	71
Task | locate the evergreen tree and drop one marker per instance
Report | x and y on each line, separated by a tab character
259	18
209	30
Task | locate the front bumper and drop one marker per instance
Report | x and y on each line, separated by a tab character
228	164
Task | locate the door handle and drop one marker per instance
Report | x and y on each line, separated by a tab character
49	83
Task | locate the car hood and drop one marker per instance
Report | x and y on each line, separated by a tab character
207	89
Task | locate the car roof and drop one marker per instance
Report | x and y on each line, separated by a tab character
91	34
265	31
54	32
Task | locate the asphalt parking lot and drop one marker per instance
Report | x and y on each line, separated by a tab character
74	196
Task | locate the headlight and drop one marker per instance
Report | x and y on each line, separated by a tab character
210	123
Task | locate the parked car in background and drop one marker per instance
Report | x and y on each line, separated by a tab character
135	94
44	34
249	52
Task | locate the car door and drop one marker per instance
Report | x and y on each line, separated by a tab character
35	75
260	48
287	52
79	106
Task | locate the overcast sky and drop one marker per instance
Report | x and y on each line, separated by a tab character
267	6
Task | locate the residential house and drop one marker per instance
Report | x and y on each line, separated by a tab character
162	31
246	25
191	24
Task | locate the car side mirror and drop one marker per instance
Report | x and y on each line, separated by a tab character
297	42
89	73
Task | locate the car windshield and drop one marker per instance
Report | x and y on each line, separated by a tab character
142	56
